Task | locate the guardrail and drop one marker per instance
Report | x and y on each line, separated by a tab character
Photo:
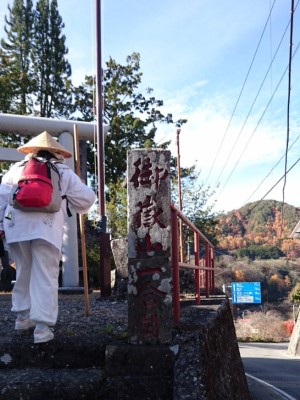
205	264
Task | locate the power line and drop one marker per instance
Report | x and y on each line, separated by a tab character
271	56
217	183
251	108
270	190
272	169
259	121
289	97
240	94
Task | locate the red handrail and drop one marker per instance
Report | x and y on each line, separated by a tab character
208	260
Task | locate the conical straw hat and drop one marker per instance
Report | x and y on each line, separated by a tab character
44	141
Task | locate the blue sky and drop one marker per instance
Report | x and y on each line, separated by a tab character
196	55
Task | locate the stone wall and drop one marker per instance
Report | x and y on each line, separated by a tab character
202	363
209	351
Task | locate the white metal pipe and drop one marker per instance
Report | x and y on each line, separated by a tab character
11	155
26	125
70	267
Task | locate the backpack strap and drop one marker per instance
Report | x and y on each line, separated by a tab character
54	167
67	205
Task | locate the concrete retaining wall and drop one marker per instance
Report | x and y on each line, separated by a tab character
202	363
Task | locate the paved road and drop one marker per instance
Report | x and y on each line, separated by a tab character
270	363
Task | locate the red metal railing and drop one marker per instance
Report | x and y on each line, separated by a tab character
203	268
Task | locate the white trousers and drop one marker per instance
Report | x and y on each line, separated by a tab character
36	287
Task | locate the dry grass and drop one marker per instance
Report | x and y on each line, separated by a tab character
262	326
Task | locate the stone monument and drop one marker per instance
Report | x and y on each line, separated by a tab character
149	246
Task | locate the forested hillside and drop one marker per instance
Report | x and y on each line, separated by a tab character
263	224
255	246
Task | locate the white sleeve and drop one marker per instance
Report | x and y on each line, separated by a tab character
7	183
5	191
79	195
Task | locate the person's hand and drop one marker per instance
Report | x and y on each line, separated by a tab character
2	234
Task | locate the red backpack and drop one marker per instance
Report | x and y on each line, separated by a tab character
38	187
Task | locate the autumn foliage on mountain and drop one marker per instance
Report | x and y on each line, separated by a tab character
255	245
266	224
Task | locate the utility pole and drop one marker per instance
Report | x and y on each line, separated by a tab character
179	197
105	268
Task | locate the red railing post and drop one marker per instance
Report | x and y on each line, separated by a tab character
210	271
202	284
207	271
213	269
197	271
175	267
203	274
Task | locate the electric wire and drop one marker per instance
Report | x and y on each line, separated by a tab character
289	97
265	109
271	56
270	190
286	171
240	94
258	123
251	108
272	169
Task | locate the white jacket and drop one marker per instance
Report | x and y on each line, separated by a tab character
19	225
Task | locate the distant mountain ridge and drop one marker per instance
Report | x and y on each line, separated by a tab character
265	222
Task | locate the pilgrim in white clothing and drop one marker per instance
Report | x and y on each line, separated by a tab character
34	239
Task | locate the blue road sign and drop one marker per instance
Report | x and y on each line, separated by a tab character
246	292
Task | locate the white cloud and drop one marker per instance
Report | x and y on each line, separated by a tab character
253	154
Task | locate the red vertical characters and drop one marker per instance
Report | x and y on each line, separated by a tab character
148	211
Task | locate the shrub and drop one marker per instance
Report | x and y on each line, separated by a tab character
288	326
261	327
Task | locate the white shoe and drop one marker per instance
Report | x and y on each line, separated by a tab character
23	323
43	335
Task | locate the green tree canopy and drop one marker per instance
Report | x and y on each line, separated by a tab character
263	252
16	77
51	68
132	115
294	295
34	72
196	201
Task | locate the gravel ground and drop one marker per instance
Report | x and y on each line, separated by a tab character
106	317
